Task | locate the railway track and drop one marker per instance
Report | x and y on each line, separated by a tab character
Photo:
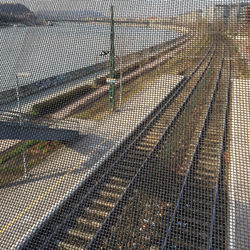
119	199
151	208
197	208
187	198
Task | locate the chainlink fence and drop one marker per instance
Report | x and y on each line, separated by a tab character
124	124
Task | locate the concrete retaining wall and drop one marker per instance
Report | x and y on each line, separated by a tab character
8	96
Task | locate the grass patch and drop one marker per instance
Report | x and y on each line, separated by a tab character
101	109
11	162
177	64
55	103
132	67
15	151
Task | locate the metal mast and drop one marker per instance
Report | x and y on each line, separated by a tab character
112	63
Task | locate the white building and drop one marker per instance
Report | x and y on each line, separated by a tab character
224	12
214	13
189	17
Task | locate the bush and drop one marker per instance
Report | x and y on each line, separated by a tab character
16	151
60	101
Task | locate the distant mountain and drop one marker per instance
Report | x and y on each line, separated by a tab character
11	13
14	9
68	14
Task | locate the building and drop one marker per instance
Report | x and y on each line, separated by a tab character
189	17
244	15
227	13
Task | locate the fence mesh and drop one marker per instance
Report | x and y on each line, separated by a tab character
124	124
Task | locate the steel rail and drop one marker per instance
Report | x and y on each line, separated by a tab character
164	104
171	98
220	165
195	154
129	188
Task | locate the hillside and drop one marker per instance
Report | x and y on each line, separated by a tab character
14	9
16	13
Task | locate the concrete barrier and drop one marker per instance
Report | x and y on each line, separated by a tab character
8	96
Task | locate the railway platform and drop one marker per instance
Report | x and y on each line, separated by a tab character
26	203
239	174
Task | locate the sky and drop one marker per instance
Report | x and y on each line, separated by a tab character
123	8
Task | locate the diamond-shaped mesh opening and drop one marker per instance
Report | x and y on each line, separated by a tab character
124	124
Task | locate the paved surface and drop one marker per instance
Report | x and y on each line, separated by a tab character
26	203
64	112
5	144
239	175
33	132
29	101
244	48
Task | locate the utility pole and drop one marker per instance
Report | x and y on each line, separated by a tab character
120	83
21	121
112	80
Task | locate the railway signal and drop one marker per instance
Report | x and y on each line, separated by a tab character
111	82
104	53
